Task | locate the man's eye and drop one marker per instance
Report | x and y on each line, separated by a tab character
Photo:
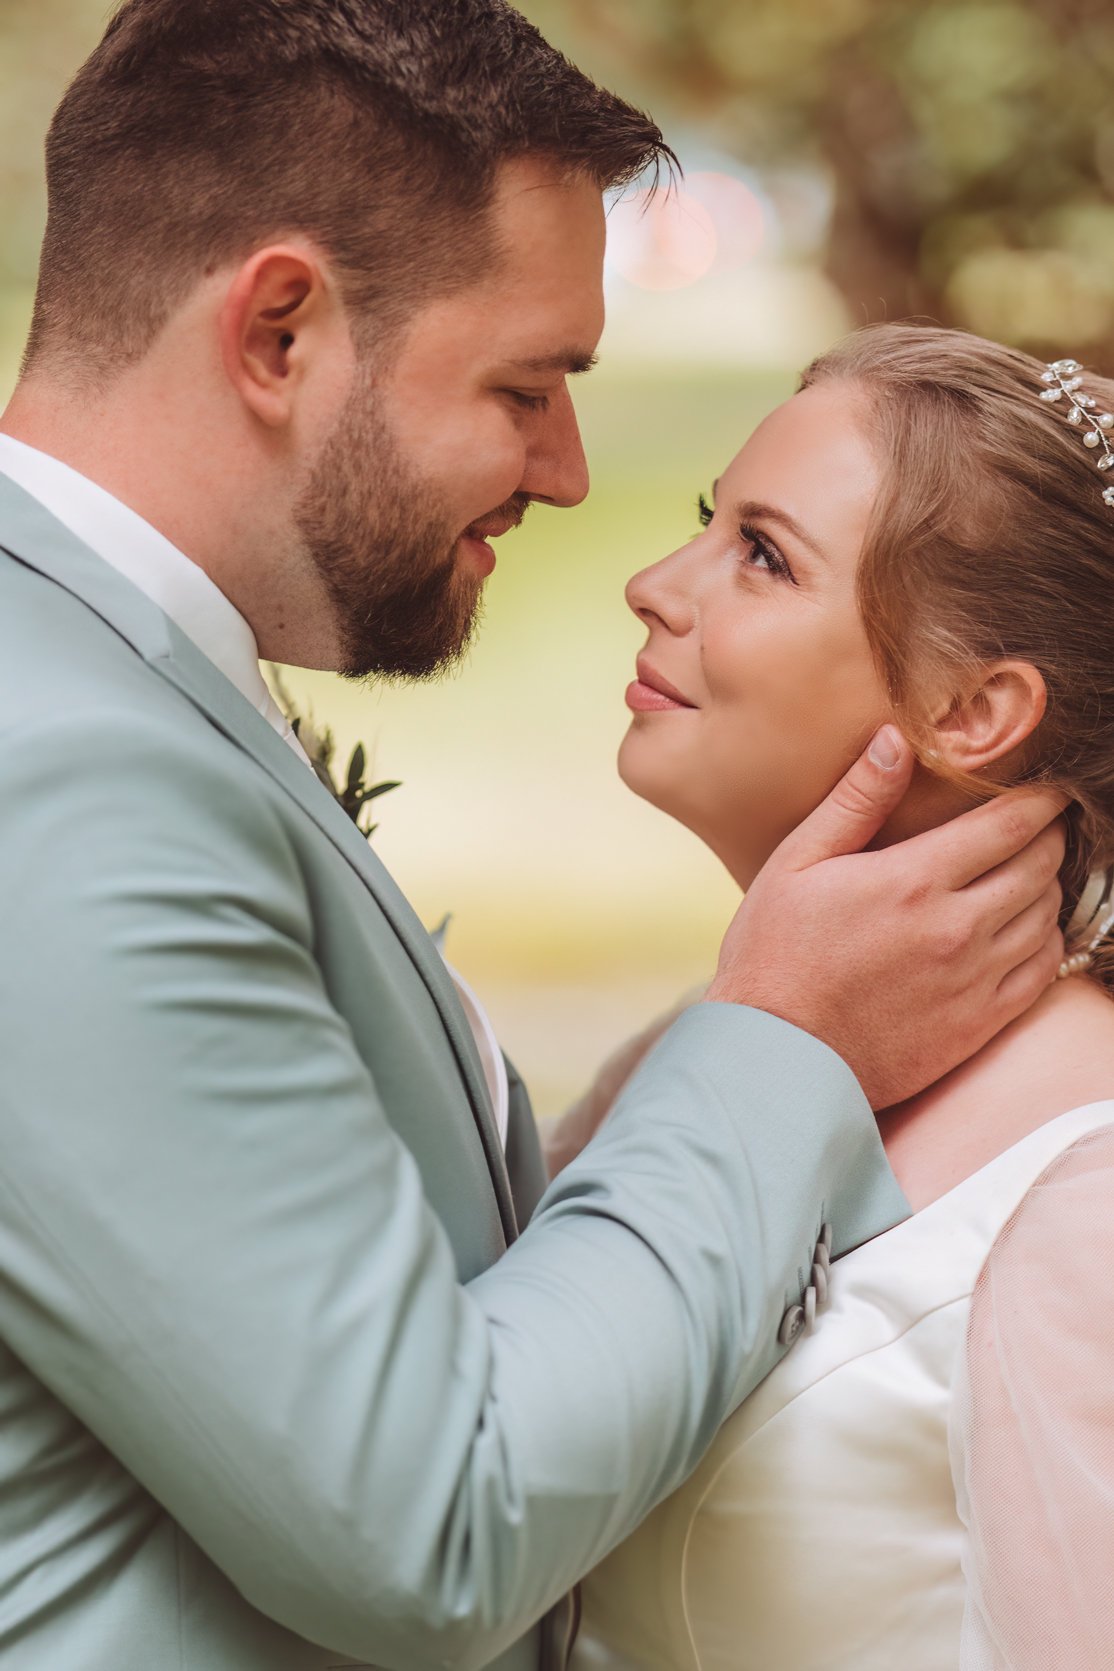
530	403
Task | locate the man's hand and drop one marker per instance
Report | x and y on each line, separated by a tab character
904	961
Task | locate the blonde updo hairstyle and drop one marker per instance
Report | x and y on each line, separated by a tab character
990	540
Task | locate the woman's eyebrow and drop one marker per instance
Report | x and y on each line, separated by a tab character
752	510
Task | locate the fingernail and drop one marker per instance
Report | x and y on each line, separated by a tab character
885	750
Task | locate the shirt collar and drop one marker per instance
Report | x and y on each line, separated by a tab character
122	538
166	575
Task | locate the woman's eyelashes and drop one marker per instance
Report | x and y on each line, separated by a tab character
764	554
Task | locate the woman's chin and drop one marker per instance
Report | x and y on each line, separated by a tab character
726	830
637	767
646	772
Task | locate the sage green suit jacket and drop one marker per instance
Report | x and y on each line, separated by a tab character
277	1392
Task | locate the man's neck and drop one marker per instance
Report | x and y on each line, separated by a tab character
152	451
193	472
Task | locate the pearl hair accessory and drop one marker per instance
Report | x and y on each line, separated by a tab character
1093	917
1092	920
1064	378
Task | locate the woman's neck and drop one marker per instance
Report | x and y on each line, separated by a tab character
1057	1056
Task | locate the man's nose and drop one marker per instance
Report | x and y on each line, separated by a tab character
556	469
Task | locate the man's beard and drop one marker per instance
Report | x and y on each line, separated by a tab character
386	550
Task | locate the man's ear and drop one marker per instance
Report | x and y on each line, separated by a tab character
277	312
993	719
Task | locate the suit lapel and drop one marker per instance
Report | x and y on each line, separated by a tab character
36	538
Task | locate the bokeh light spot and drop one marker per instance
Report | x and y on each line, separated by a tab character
667	237
736	215
660	239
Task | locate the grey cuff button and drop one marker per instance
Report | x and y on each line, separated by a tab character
791	1325
799	1317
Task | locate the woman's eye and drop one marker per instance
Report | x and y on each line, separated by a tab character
764	555
703	510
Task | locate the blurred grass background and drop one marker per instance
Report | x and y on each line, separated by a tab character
955	160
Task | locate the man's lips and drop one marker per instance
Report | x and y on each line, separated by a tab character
475	541
477	536
489	528
651	694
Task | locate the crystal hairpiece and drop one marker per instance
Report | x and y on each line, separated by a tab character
1064	377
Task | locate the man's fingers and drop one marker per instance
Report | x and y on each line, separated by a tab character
1024	985
991	834
1012	887
857	807
1030	930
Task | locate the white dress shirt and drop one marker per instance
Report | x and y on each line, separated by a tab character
197	605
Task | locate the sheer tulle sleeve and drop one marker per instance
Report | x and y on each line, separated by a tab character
1033	1428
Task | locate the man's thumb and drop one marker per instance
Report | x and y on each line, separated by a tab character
857	807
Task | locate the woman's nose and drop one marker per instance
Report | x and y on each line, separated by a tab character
664	593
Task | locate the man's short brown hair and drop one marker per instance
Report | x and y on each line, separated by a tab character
201	129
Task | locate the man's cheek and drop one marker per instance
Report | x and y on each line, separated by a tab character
481	492
470	456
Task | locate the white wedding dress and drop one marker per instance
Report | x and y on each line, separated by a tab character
926	1481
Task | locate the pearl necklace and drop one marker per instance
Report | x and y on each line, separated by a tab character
1092	920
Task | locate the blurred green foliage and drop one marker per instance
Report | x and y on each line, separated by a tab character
42	43
970	145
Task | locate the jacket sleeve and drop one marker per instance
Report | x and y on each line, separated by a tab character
215	1251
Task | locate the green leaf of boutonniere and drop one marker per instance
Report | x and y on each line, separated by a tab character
320	745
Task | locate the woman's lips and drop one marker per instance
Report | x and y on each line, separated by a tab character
651	694
643	699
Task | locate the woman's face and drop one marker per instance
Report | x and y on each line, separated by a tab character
756	689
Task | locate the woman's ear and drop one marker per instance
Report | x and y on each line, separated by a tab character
995	718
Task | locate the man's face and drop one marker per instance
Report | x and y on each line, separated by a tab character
471	423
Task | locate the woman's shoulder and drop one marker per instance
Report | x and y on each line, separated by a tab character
1032	1457
1057	1057
896	1307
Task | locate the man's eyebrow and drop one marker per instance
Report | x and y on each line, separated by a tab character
752	510
569	362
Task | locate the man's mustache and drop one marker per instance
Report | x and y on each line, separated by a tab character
510	512
516	507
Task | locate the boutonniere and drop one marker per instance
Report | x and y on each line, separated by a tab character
356	795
